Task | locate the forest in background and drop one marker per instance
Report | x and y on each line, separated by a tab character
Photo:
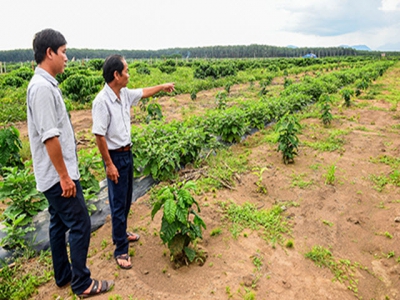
251	51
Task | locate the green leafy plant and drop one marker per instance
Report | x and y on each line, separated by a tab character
16	226
330	177
18	190
231	124
288	127
81	88
178	230
10	145
153	112
221	99
18	282
193	95
90	164
261	188
325	106
347	93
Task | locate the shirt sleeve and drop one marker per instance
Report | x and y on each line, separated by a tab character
44	113
101	118
134	95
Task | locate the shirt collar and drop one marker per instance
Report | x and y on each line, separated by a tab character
110	93
42	72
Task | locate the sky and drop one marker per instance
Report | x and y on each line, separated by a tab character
162	24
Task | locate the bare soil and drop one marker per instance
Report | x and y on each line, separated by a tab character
350	218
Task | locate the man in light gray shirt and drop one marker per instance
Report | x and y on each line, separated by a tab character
55	164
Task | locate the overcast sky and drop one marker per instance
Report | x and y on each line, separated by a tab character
161	24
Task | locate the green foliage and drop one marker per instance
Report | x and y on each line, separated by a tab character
153	112
193	95
330	177
18	191
161	149
16	282
178	230
220	99
206	69
15	227
24	72
10	145
288	127
81	88
13	81
271	222
347	93
230	124
95	64
342	269
325	106
90	164
143	70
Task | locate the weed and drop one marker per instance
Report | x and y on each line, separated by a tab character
330	224
297	180
261	188
272	224
216	231
330	175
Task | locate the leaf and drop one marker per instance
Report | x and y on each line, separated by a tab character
156	208
190	253
170	210
181	214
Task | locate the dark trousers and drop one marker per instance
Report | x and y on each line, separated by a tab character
69	214
120	198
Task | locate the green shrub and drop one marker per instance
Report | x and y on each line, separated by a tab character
10	145
178	228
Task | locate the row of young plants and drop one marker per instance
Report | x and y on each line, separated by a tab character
82	80
160	149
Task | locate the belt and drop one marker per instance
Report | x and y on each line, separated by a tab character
122	149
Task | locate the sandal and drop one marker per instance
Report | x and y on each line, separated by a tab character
123	257
132	237
106	285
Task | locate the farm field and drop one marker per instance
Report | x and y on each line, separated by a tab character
339	210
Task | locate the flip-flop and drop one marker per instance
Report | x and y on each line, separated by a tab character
132	237
106	285
123	257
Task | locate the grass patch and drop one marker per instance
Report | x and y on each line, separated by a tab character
271	222
342	269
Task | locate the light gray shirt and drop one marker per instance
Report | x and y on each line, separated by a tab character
47	117
112	116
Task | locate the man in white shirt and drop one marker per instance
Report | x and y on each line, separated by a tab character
111	125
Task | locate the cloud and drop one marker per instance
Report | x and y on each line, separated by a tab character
390	5
335	18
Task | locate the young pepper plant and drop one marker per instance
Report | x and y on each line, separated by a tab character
177	229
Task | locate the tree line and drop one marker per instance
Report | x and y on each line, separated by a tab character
251	51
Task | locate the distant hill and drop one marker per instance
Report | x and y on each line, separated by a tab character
291	47
357	47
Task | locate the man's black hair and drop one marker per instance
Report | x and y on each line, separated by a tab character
47	38
111	64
